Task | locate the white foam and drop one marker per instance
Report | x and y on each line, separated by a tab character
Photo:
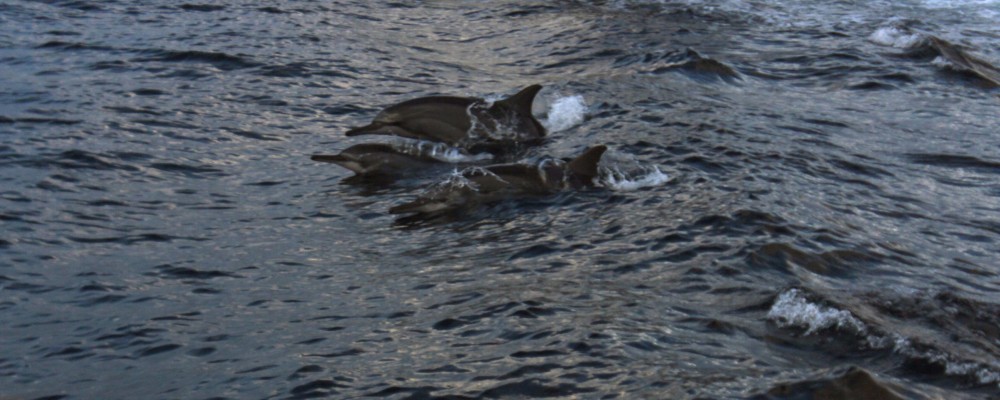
985	373
897	37
566	112
619	180
457	180
454	155
623	172
942	62
439	151
792	309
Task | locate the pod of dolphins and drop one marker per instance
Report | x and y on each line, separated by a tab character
470	124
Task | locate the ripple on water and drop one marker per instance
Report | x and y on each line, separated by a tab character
796	209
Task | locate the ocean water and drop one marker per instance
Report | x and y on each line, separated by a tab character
795	191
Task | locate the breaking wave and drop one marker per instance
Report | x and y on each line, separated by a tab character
792	309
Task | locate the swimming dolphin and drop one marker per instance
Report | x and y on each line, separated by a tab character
460	121
378	159
963	61
957	57
497	182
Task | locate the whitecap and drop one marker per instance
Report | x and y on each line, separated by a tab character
792	309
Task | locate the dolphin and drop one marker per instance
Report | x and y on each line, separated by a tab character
460	121
377	159
958	58
497	182
963	61
398	159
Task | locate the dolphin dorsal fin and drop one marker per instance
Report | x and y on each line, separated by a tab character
521	102
585	165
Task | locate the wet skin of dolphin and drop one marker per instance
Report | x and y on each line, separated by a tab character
460	121
378	159
497	182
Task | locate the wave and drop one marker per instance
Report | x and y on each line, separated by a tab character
793	309
688	62
942	53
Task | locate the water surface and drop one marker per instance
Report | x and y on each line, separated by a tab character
833	201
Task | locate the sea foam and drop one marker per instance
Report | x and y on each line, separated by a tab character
566	112
893	36
623	172
617	179
792	309
439	151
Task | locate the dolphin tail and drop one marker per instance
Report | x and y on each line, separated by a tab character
584	166
521	102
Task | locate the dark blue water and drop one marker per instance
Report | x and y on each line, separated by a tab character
832	214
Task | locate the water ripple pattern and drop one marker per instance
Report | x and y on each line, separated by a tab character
802	199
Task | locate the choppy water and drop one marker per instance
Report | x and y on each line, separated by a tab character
834	201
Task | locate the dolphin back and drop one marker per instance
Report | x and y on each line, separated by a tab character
329	158
342	160
436	118
584	167
521	102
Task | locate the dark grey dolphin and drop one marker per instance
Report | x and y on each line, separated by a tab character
378	159
403	158
497	182
460	121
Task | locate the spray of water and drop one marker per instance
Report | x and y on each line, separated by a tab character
566	112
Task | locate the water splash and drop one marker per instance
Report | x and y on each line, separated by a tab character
491	127
896	36
622	172
792	309
545	163
439	151
455	182
459	180
619	180
566	112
